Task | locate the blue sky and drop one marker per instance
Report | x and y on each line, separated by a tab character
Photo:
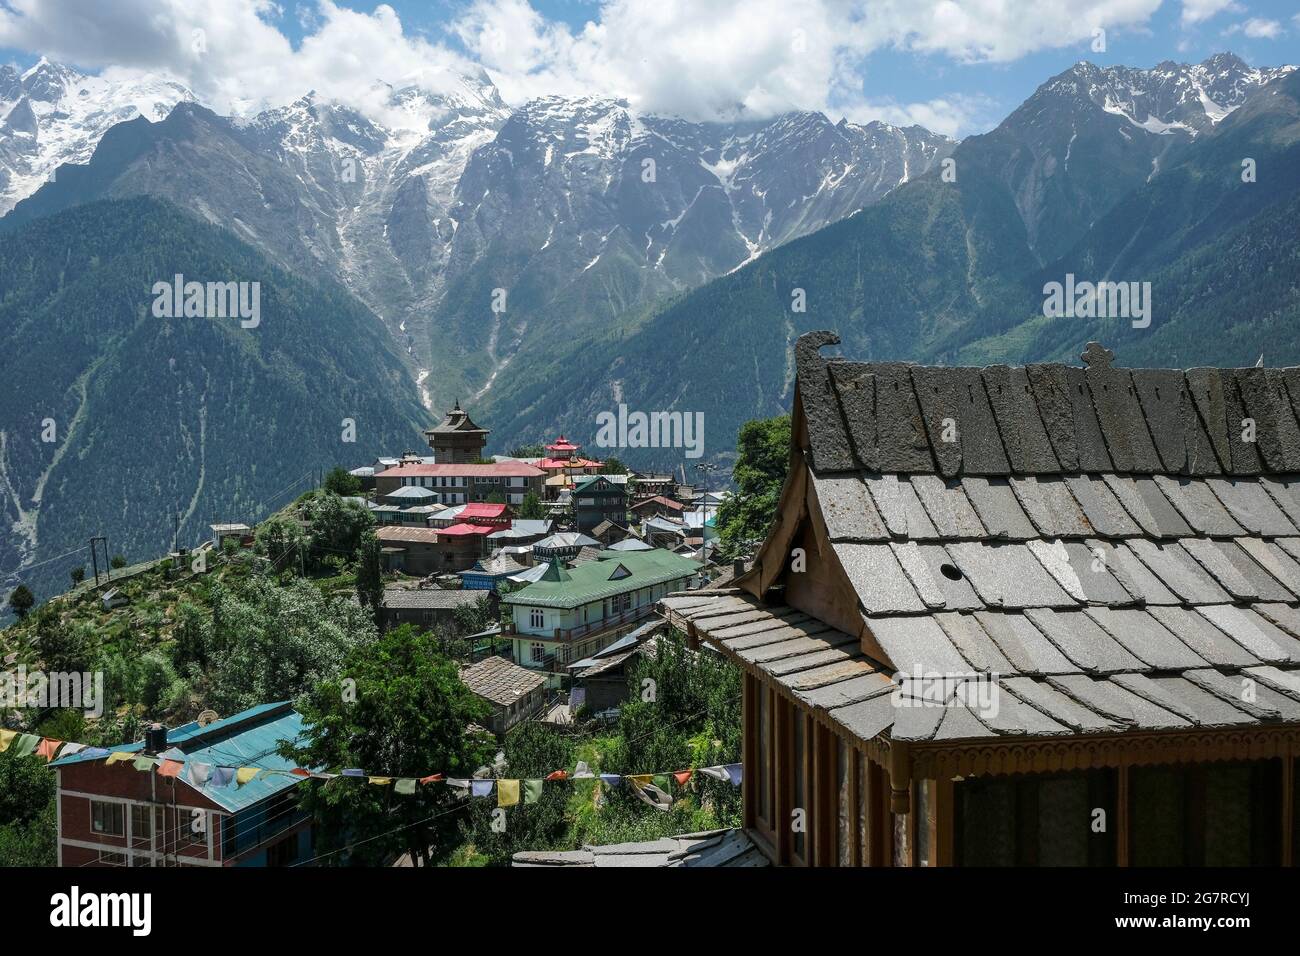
954	65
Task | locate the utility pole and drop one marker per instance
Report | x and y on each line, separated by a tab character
94	558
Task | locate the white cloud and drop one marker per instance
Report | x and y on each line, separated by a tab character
230	53
720	59
1195	11
755	57
1261	29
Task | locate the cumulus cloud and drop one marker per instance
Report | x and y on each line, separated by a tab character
1194	11
715	60
231	54
1260	29
754	57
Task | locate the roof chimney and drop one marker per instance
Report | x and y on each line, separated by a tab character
155	739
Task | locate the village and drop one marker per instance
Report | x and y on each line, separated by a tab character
564	559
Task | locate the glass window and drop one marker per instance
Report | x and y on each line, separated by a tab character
107	818
141	822
1036	820
1219	814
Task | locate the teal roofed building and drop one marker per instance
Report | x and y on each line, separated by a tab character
116	815
569	614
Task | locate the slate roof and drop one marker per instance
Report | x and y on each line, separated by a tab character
711	848
418	599
500	681
1100	539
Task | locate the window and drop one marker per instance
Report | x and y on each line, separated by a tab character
1035	820
108	858
536	617
141	822
538	651
283	852
1221	814
106	818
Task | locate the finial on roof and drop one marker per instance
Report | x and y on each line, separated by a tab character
1259	363
1097	356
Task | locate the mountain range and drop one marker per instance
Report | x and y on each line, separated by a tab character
547	262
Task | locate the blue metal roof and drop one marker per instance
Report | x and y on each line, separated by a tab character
246	739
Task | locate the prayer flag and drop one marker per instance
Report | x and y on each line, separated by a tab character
481	788
405	785
245	774
47	748
532	791
170	768
507	793
6	738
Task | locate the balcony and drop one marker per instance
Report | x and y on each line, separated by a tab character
581	631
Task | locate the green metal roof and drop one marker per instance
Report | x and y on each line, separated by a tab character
594	580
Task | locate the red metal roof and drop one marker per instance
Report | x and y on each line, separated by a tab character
460	530
568	463
498	469
562	444
482	509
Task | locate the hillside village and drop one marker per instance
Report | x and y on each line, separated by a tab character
539	576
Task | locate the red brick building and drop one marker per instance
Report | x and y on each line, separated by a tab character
116	815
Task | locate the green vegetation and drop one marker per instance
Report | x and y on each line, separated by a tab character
531	507
683	712
235	419
396	704
340	482
21	600
762	461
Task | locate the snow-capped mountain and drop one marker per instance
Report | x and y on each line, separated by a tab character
1171	97
1091	135
51	115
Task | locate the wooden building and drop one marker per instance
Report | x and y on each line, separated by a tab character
456	439
1024	616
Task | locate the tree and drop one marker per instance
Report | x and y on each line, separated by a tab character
370	578
27	817
22	600
78	575
279	538
336	526
762	461
399	709
269	643
62	647
531	507
496	498
532	750
613	466
118	562
340	482
527	451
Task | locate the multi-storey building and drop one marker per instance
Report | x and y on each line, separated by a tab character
115	815
572	613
